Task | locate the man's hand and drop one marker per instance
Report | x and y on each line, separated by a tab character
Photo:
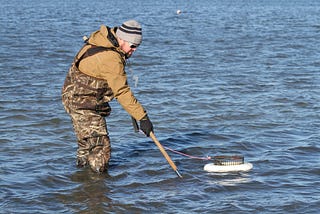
146	125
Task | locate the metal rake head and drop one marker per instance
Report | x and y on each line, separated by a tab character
228	160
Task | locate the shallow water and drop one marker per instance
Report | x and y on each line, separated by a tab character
223	77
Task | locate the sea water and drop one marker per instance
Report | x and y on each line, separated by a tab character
222	77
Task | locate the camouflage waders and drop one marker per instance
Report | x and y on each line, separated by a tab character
85	99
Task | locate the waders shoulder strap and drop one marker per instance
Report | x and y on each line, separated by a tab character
97	49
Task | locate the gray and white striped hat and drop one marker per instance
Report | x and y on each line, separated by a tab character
131	32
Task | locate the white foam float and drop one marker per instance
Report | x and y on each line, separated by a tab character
244	167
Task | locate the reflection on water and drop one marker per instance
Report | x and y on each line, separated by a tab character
90	194
230	179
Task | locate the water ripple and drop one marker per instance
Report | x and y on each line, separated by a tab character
223	77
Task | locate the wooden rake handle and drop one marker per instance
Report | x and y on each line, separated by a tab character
165	154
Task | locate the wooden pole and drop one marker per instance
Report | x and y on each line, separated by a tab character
165	154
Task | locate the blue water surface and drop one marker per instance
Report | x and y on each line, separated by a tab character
223	77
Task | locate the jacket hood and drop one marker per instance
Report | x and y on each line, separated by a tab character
101	38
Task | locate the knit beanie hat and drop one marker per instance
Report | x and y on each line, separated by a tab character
131	32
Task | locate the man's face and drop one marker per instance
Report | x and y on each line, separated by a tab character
129	48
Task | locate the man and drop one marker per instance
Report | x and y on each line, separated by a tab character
96	76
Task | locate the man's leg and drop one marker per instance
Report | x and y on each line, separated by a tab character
93	141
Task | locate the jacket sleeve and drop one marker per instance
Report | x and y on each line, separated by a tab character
113	72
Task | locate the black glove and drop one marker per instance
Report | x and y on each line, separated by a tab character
146	125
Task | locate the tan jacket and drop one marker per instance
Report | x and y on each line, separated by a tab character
110	66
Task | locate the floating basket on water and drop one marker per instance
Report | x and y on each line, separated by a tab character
228	163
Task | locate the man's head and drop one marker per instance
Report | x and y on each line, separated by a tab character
130	32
